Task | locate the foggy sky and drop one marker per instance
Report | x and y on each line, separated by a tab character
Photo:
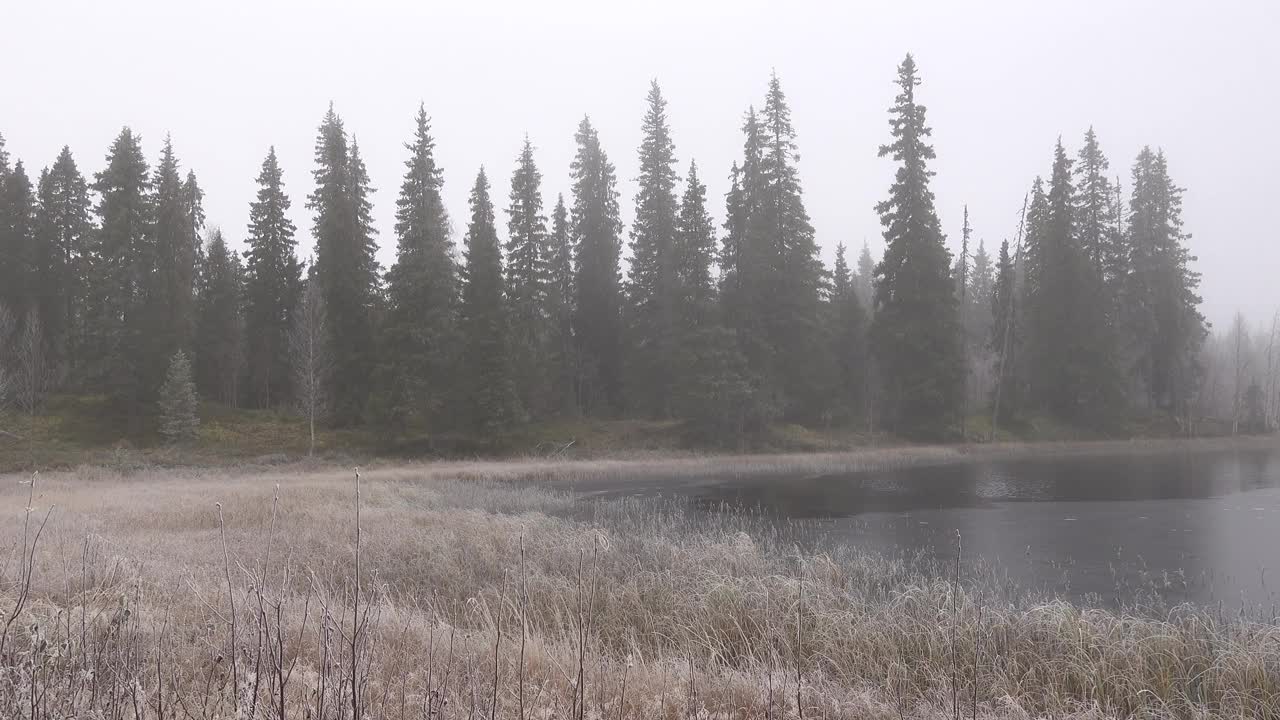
1001	83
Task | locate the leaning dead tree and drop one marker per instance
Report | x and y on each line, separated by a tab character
312	361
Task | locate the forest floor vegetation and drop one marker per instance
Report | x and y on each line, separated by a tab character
70	431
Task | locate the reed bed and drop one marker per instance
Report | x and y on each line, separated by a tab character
451	592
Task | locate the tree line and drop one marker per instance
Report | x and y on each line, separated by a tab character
1091	311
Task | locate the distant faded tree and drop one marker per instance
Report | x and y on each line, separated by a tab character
312	361
1239	340
178	401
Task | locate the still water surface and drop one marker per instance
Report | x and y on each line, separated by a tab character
1199	527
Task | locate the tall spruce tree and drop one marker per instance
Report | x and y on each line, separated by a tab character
737	292
652	292
220	329
18	253
1004	339
1033	241
171	294
562	355
63	230
272	284
9	253
345	264
193	203
493	404
916	331
780	224
123	260
734	226
527	280
595	230
1069	348
1095	212
1163	319
695	252
418	338
745	258
1098	218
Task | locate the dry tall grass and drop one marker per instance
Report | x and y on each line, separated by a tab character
217	595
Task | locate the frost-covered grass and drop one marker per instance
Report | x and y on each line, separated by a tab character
475	596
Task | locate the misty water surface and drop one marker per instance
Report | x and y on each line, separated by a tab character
1201	527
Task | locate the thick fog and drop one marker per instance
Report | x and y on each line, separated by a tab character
1001	81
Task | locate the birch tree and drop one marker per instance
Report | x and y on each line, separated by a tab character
32	376
312	361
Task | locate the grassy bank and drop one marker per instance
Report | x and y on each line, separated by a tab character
73	430
201	594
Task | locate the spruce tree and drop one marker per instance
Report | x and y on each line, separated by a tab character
179	406
1163	320
736	292
782	225
652	292
595	228
1095	221
745	266
345	264
562	356
848	340
745	260
272	284
9	254
1004	338
490	389
123	261
1069	351
915	333
982	277
171	293
193	204
528	251
418	338
1033	241
695	251
711	387
772	277
220	329
63	231
18	261
866	275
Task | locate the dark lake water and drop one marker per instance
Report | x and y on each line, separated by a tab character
1199	527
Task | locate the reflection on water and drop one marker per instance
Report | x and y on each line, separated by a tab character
1201	527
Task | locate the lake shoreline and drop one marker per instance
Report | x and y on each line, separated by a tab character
603	473
569	472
